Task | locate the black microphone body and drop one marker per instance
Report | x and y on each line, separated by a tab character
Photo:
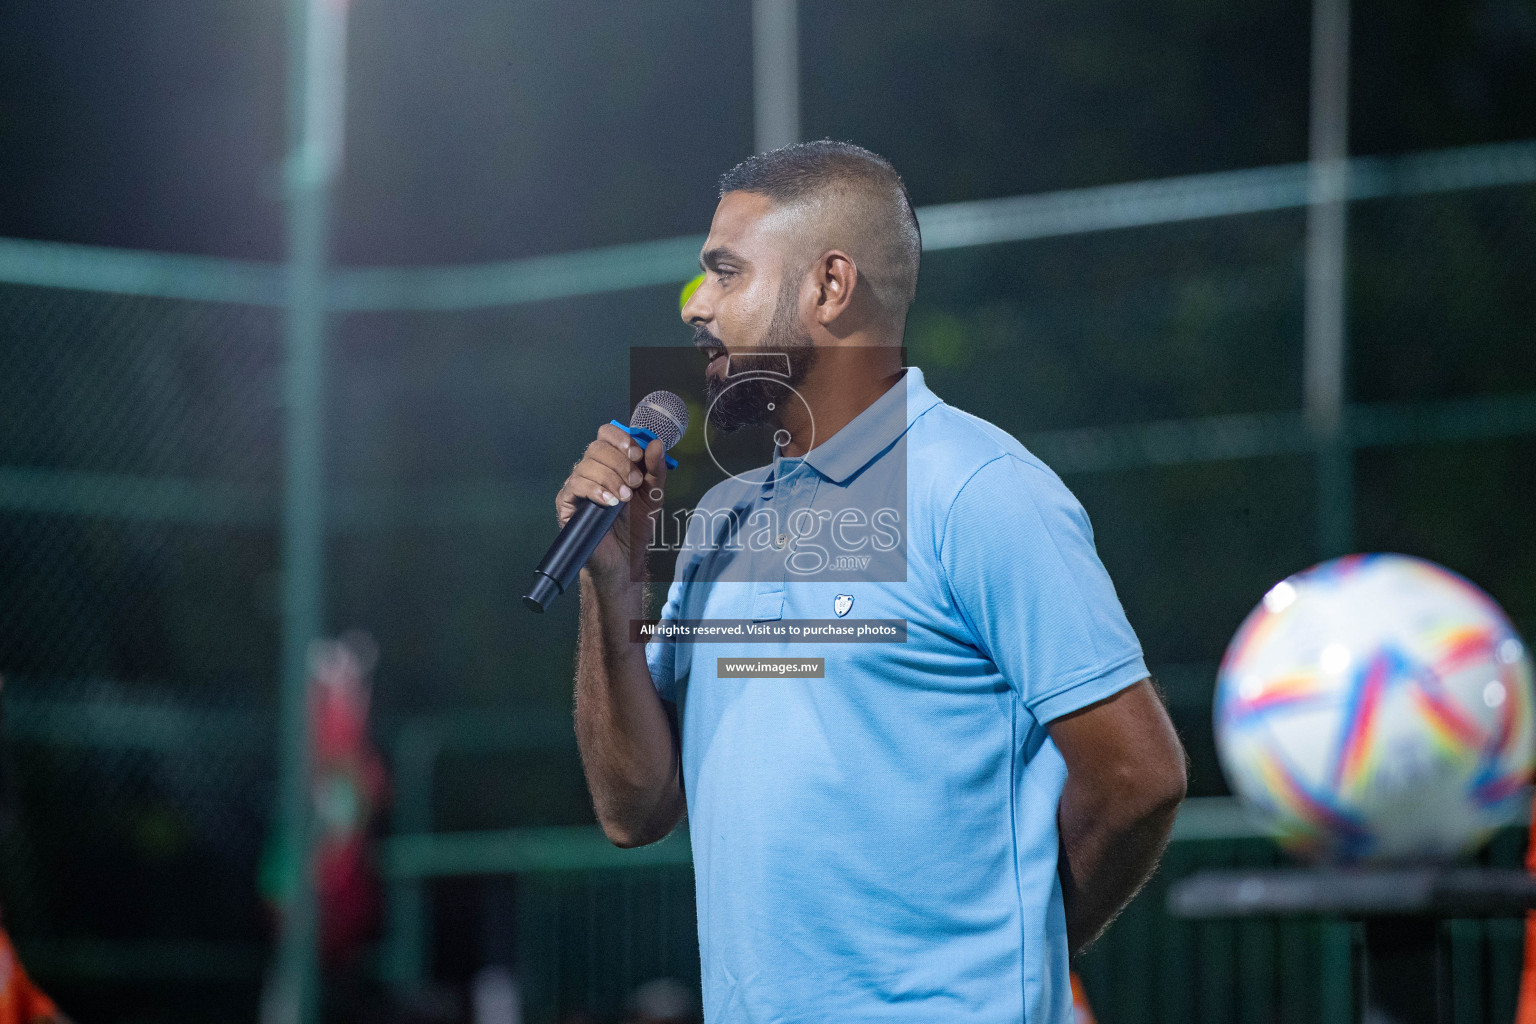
660	415
582	533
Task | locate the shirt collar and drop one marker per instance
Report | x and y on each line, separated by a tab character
871	431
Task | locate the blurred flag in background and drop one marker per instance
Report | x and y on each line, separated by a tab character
349	789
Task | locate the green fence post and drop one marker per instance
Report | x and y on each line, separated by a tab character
1325	339
317	47
408	926
1176	998
1336	992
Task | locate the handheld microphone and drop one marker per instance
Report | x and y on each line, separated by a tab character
660	414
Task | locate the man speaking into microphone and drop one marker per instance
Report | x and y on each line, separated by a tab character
918	830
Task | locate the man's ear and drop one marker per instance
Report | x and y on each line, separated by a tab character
835	277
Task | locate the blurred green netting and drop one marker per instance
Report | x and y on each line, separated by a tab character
1158	368
139	452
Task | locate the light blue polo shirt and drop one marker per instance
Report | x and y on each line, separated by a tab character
880	844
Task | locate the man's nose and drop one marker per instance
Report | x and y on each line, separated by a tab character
696	309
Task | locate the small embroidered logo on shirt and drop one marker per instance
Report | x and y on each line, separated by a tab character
842	604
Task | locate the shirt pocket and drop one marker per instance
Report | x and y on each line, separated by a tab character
767	600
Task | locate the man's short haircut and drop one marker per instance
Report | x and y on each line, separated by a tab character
863	183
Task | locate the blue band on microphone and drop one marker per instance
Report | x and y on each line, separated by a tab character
645	437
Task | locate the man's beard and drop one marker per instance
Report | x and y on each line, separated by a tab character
756	386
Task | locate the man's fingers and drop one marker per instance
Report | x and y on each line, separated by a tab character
597	483
604	453
613	469
565	503
617	438
595	493
656	465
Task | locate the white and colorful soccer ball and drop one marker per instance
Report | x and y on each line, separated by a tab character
1377	708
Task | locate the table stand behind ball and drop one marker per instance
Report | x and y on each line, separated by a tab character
1406	970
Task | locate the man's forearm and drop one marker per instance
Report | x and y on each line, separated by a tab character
1109	848
627	746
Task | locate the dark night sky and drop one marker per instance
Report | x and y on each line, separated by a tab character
483	130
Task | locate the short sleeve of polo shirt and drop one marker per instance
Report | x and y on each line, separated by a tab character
1017	551
660	655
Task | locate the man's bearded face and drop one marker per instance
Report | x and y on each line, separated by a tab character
756	386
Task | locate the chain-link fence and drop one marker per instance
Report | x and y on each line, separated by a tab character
139	447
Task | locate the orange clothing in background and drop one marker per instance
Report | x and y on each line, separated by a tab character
20	1001
1082	1013
1525	1013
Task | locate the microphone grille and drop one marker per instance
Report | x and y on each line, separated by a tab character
663	414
